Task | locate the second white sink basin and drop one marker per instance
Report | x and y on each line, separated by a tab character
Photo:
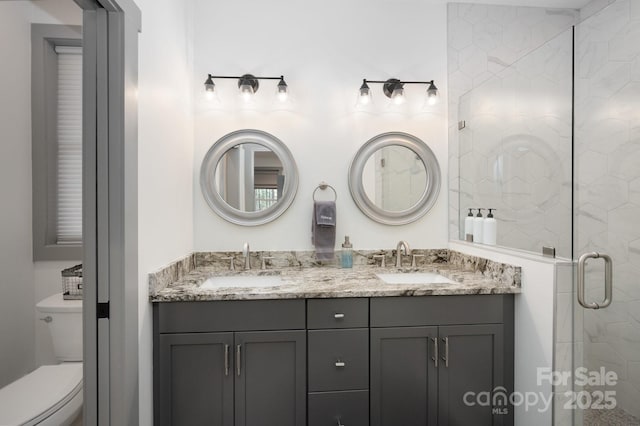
242	281
415	278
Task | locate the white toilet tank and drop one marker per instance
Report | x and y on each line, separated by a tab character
64	319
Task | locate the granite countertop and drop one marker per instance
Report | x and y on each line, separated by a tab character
332	282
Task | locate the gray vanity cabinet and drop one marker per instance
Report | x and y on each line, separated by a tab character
196	389
428	352
404	381
270	385
471	361
214	369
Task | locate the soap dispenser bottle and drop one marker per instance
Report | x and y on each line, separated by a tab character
490	229
468	226
478	227
346	256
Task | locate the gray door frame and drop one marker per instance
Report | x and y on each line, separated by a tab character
110	214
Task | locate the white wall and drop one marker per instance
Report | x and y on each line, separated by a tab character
165	149
24	343
324	50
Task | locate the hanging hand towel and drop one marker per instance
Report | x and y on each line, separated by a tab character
323	229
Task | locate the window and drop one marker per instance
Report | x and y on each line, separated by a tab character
266	187
56	104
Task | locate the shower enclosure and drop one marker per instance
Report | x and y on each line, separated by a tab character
553	143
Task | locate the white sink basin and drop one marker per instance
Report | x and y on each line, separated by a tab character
415	278
241	281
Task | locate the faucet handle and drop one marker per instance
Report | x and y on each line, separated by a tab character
383	258
264	263
232	266
413	259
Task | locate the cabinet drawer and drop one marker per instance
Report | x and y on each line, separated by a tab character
338	359
230	315
337	313
351	408
437	310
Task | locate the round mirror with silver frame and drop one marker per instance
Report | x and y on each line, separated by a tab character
394	178
249	177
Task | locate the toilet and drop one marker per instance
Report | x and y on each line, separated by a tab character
52	394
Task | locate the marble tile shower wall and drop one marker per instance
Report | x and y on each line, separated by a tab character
483	41
608	187
515	151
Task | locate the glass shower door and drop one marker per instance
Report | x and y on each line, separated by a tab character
607	217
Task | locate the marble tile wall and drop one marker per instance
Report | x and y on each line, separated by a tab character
608	187
483	42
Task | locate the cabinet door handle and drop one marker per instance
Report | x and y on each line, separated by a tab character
238	358
436	353
338	316
340	364
445	358
339	421
226	360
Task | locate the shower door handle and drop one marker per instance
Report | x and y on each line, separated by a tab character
608	280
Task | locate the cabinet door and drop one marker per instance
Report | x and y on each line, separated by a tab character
473	364
270	387
196	379
403	376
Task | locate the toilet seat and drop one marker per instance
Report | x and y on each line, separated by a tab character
41	394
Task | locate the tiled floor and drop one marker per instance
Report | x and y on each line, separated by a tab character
615	417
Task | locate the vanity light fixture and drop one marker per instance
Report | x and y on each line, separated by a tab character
248	85
394	90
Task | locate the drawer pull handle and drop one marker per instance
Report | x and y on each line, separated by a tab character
338	316
340	364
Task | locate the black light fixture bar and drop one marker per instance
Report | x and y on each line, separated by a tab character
398	82
245	76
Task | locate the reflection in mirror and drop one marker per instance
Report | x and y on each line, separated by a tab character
250	177
394	178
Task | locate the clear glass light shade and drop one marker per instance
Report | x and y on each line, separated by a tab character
397	96
246	91
209	85
282	92
365	96
432	94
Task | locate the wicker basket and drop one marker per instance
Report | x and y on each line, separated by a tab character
72	283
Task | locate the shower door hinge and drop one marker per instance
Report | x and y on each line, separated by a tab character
549	251
103	310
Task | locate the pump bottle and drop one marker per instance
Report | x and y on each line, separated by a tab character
478	227
490	229
468	226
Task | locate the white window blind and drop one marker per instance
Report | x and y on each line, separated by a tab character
69	194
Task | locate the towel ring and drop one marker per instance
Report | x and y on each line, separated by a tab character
323	186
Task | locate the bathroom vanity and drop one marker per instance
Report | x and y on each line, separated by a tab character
333	347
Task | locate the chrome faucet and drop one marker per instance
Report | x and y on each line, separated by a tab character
246	252
407	251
